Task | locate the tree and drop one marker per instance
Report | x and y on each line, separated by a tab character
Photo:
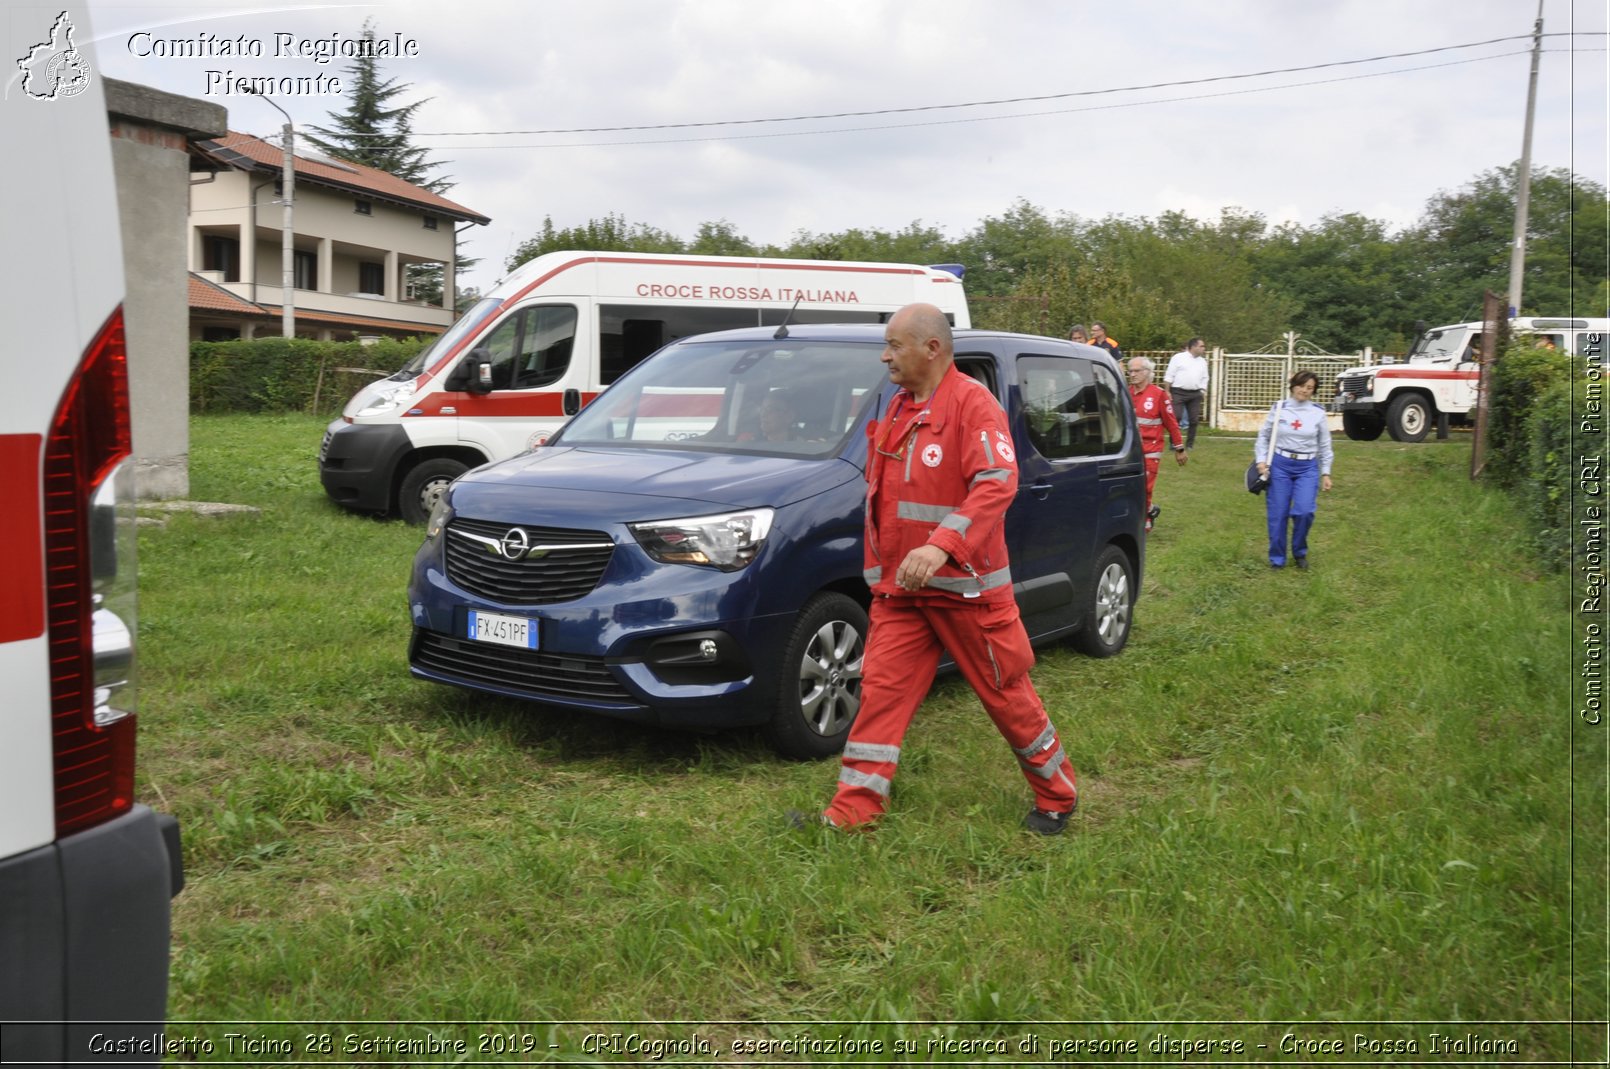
721	239
1348	283
375	133
371	131
612	233
1463	241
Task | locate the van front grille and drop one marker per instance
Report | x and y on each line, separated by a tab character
516	564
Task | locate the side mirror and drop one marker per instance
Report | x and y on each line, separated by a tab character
572	401
473	373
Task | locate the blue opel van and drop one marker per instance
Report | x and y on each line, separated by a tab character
687	550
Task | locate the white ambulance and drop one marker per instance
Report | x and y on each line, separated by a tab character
558	330
86	873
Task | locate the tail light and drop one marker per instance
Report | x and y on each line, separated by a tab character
90	575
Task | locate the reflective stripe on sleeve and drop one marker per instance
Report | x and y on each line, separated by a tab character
956	522
991	475
1150	422
970	585
873	576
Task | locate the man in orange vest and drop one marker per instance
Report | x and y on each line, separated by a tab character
1098	338
941	472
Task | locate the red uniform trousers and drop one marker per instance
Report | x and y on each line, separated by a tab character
903	650
1152	464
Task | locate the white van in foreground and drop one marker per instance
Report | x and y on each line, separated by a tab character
86	873
558	330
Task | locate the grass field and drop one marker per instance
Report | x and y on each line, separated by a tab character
1308	799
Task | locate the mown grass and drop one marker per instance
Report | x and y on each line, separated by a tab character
1340	795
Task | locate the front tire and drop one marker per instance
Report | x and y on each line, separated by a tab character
1112	606
1408	419
424	485
819	691
1363	426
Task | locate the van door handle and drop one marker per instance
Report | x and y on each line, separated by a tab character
1040	489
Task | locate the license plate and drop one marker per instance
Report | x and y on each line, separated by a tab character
503	630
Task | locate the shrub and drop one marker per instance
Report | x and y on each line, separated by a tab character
288	374
1521	376
1546	490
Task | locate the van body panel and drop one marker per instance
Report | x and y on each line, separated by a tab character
628	640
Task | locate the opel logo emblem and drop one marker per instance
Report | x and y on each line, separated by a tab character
515	544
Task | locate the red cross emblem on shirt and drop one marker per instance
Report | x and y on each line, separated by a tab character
1296	424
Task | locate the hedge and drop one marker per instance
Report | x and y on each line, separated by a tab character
288	374
1531	427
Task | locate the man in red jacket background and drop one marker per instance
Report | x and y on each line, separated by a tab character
1154	411
941	472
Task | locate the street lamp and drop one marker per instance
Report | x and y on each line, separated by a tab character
287	233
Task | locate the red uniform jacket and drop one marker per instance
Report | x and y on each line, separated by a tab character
942	475
1154	411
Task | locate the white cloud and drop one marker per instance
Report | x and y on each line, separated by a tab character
1381	146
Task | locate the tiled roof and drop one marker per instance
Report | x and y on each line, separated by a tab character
260	155
214	298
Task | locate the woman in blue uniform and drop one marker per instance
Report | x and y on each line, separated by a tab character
1297	469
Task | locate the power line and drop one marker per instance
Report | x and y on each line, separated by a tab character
981	118
981	103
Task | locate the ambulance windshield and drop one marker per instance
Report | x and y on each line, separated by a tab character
479	313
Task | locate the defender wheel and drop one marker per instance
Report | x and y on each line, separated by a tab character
819	691
1363	426
1409	418
423	486
1112	606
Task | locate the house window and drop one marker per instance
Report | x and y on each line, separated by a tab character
371	278
305	269
363	207
221	254
430	222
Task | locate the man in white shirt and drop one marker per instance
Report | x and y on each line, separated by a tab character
1187	382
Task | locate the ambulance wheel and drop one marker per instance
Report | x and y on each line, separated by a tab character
1112	606
1363	426
1408	419
819	691
423	486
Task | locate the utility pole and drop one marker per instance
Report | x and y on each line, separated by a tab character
1517	253
287	232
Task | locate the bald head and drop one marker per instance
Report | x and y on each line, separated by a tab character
918	348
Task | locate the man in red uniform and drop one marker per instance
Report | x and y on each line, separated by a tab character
941	472
1154	411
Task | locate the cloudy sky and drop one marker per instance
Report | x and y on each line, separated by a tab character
944	112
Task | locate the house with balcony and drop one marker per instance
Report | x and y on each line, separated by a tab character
373	255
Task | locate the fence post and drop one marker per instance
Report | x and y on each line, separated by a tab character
1216	380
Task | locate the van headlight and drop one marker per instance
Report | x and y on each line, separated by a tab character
728	541
387	399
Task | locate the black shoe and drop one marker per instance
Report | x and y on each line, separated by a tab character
1154	512
1302	563
1044	823
798	820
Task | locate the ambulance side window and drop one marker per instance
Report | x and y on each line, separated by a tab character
532	347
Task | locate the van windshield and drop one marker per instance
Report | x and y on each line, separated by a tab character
479	313
1444	344
799	398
